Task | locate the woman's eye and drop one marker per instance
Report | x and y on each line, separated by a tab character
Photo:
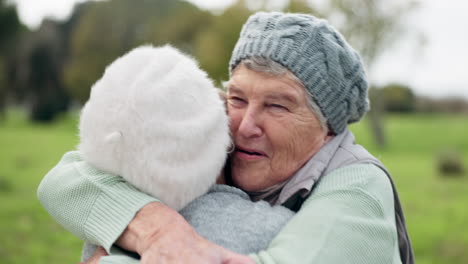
278	107
237	101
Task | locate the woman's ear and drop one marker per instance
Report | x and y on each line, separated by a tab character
329	136
223	95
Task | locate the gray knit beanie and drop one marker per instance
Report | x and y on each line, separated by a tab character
317	54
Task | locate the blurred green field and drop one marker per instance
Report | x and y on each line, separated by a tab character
436	207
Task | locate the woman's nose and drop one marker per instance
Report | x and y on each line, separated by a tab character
249	126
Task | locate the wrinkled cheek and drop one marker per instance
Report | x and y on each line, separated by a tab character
293	154
288	157
232	128
234	121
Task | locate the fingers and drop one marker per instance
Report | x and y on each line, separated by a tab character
100	252
233	258
172	240
191	249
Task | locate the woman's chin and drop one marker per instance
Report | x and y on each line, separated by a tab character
246	183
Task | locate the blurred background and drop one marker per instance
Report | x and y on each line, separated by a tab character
52	51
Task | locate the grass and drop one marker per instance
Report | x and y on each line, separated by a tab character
435	206
28	151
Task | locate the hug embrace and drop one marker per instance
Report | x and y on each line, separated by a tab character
170	171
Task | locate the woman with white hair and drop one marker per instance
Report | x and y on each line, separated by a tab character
295	84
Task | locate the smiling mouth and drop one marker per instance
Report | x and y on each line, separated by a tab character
251	152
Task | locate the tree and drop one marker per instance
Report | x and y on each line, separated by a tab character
9	28
398	98
9	24
371	26
41	67
47	95
108	29
214	45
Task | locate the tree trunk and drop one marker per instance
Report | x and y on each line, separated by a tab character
376	115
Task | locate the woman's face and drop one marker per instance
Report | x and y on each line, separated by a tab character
274	130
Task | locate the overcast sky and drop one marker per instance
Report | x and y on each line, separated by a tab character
440	68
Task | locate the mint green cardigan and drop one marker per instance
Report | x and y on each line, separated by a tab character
348	218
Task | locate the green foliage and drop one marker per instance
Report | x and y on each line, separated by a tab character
435	207
49	98
9	24
301	6
454	105
106	30
9	28
398	98
99	32
214	45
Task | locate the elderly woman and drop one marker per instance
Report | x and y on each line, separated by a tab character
295	85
